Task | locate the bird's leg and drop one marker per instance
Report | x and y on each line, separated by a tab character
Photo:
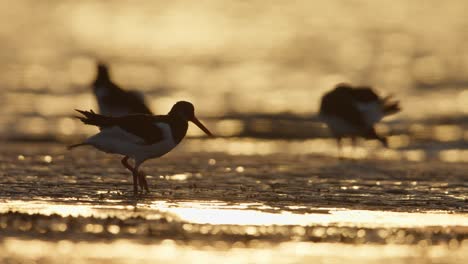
141	177
339	146
135	182
134	174
142	180
353	145
125	163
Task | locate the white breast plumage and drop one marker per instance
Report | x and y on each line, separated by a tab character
118	141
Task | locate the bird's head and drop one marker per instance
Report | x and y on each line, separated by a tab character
185	110
102	71
343	87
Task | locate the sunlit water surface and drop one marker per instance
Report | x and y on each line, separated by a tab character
123	251
245	206
250	84
203	214
221	213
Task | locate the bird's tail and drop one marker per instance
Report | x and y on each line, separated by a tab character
76	145
91	118
389	106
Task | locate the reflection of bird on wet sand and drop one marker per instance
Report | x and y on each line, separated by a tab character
353	111
113	100
140	137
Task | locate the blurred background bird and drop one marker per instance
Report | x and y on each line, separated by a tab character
353	111
113	100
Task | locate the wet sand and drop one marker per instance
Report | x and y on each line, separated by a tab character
218	206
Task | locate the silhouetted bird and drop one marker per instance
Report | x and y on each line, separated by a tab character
113	100
353	111
140	137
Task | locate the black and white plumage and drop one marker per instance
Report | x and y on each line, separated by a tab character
353	111
140	137
113	100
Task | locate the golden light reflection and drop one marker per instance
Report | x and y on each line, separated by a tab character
36	77
47	159
93	228
189	57
464	155
219	213
415	155
178	177
398	141
75	210
67	126
327	147
240	169
462	101
33	125
417	129
237	219
452	155
142	76
428	69
448	132
82	70
229	127
224	56
168	251
60	105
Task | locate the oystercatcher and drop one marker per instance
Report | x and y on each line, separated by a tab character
139	136
113	100
353	111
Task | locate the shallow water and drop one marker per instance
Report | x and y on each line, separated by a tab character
124	251
270	188
212	205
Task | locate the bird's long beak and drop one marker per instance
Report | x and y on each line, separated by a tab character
201	126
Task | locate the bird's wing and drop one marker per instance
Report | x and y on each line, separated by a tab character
344	108
142	126
136	101
365	94
129	101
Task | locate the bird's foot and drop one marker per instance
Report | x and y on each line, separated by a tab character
142	193
142	181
